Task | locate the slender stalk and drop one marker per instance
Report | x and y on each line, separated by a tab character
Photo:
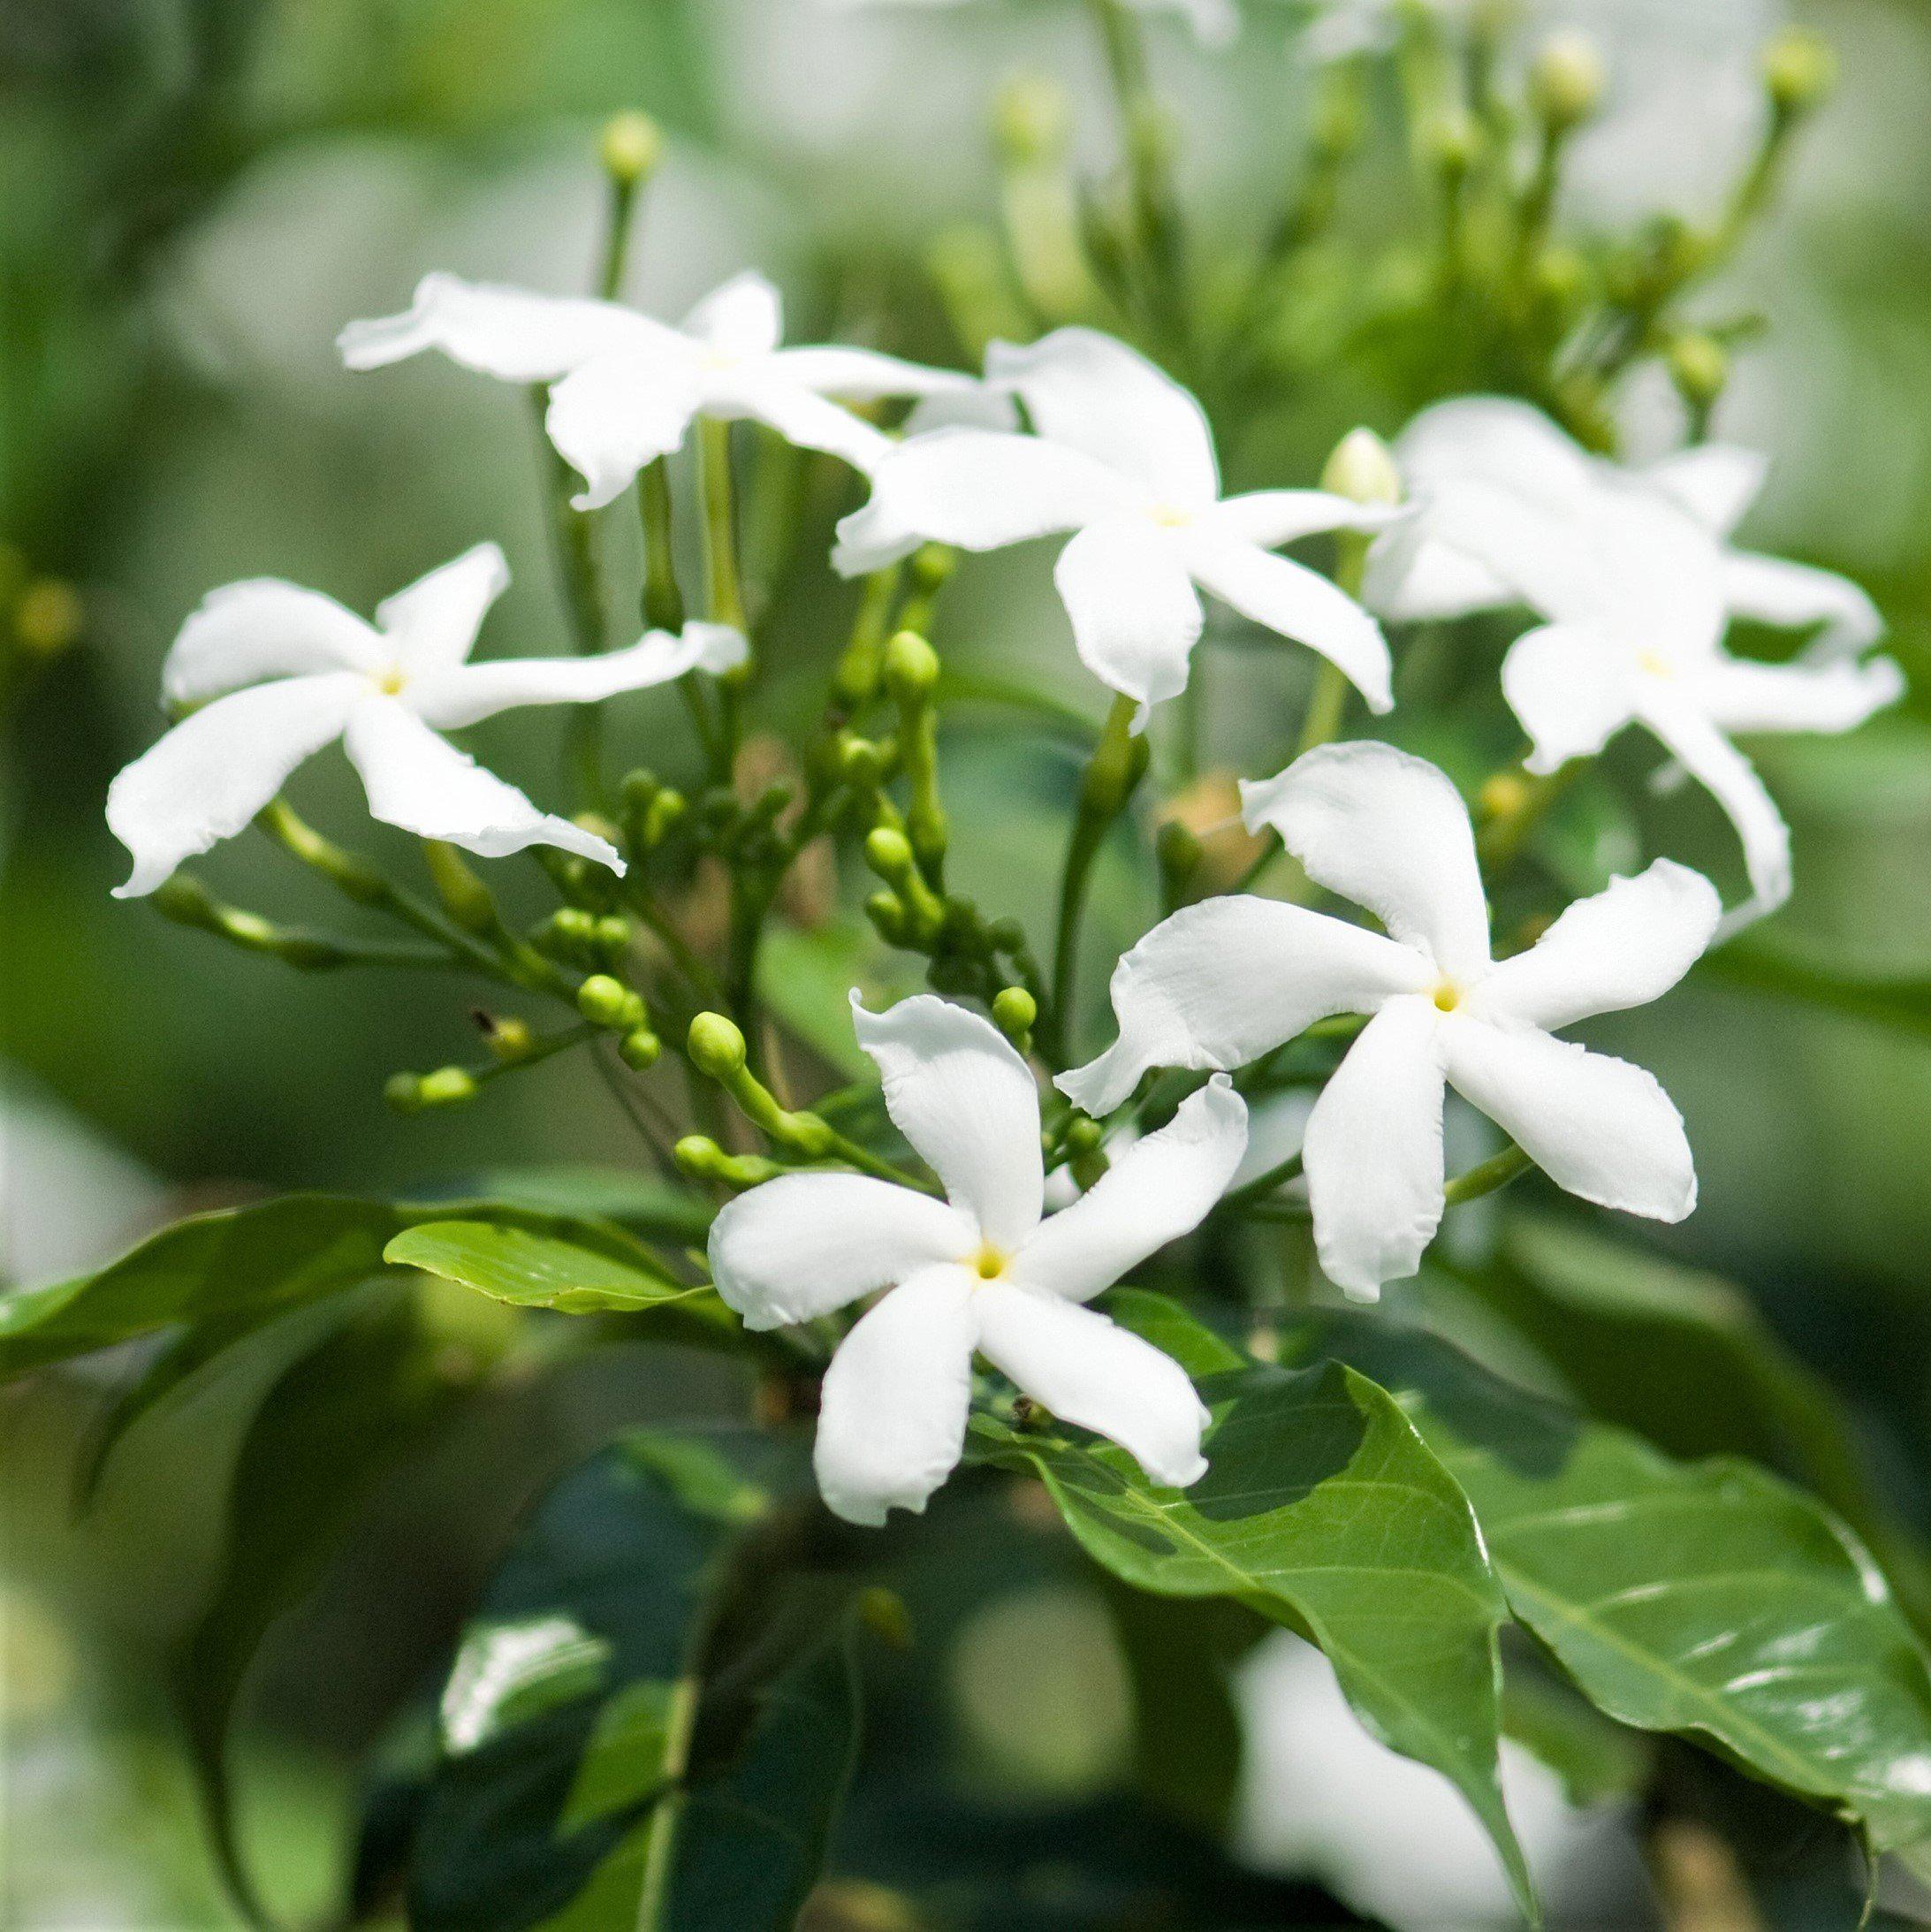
1116	766
660	1844
663	600
1488	1177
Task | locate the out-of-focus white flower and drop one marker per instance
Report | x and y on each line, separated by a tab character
286	670
1215	23
978	1271
1222	982
1124	459
1635	577
626	387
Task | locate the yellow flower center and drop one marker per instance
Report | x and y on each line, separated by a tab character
1171	516
988	1263
1655	664
390	682
1447	996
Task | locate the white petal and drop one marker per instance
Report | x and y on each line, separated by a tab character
1271	517
1412	579
958	1091
1220	983
1662	572
614	415
1135	618
451	698
893	1416
1598	1127
867	374
1388	831
1093	393
1092	1373
743	316
208	776
1296	602
1373	1151
977	488
1794	596
977	406
507	332
805	419
1572	690
1623	946
1838	695
263	629
1500	441
1716	483
1730	779
805	1244
425	785
1158	1190
432	624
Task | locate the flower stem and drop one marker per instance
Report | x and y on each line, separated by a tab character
660	1844
1488	1177
1115	768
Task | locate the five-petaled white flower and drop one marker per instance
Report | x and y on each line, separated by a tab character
1224	981
627	386
1123	458
978	1271
1215	23
1631	572
287	671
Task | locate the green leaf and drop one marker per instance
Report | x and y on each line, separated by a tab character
643	1202
1707	1598
256	1260
651	1722
1322	1510
1901	1005
575	1266
339	1421
1683	1357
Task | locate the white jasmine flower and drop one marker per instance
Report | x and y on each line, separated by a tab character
1222	982
627	386
287	671
978	1271
1215	23
1122	459
1634	573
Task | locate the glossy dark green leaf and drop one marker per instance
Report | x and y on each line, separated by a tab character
576	1268
1707	1598
651	1722
1323	1510
343	1417
1681	1357
640	1201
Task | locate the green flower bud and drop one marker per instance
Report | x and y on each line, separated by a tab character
1452	140
1083	1136
1363	470
665	809
639	1048
606	1002
629	148
887	913
404	1092
911	669
611	933
465	897
509	1039
1567	80
1032	118
48	618
717	1045
185	900
888	853
1015	1011
860	763
1699	366
447	1086
931	564
1799	70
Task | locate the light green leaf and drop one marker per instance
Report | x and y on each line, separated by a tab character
1322	1510
1705	1597
575	1267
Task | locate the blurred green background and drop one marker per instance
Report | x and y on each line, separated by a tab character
195	195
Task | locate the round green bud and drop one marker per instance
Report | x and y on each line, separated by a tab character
403	1091
1699	366
932	564
1799	70
911	668
1568	78
717	1045
861	762
1015	1011
665	809
1177	849
1032	117
639	787
886	912
612	932
509	1039
606	1002
1561	276
630	145
639	1048
1363	470
185	900
1084	1135
447	1086
888	852
48	618
1452	140
697	1155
